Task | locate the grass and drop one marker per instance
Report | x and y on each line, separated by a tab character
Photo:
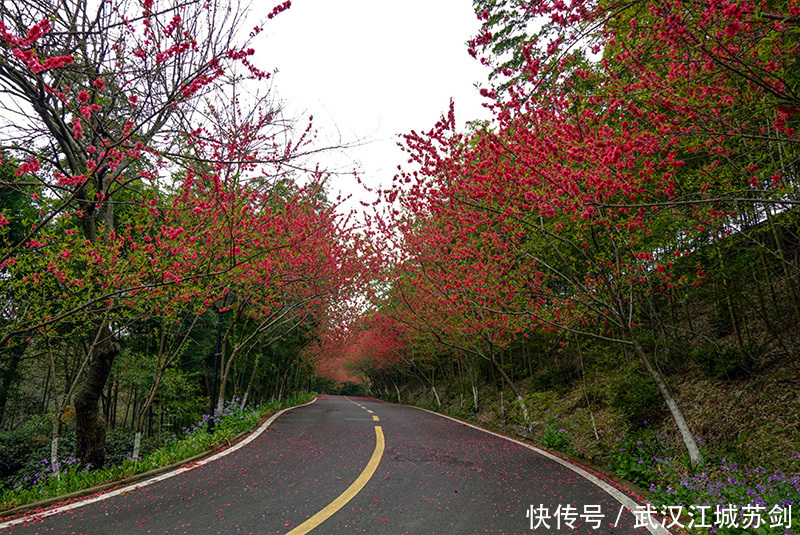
67	476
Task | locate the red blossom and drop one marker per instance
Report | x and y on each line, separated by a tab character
77	128
279	9
31	166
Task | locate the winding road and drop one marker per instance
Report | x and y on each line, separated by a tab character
357	465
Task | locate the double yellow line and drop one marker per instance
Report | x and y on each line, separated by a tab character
352	490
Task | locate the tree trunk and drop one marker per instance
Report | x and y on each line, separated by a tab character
507	380
141	416
90	427
686	434
436	395
59	409
10	376
586	394
396	389
137	444
472	373
253	373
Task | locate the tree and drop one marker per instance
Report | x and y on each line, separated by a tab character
99	99
600	172
558	245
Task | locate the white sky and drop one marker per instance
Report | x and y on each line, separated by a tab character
368	70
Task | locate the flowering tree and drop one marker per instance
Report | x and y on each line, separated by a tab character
626	137
103	112
452	286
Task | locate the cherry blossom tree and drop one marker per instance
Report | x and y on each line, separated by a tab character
103	105
626	137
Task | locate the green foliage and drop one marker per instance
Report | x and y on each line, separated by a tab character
19	446
557	438
718	361
352	389
462	412
728	485
119	445
557	378
539	404
720	321
633	458
636	399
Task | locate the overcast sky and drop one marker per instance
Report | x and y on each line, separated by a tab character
368	70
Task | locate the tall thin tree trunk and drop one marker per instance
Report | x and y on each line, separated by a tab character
517	394
61	406
729	304
793	299
586	394
436	396
250	382
141	416
56	431
686	434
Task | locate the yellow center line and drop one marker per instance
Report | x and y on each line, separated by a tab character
375	418
351	491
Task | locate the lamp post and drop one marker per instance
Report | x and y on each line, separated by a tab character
223	302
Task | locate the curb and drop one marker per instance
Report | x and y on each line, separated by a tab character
110	485
626	485
66	499
620	489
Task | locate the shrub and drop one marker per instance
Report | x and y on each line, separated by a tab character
635	456
718	361
22	449
728	485
557	438
636	399
558	378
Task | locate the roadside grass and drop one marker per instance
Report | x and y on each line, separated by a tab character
66	476
718	496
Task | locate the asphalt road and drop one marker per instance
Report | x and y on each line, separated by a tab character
355	465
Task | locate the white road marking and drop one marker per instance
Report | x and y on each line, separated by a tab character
155	479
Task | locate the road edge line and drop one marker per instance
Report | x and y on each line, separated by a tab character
135	486
622	498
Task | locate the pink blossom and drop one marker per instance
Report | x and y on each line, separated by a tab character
31	166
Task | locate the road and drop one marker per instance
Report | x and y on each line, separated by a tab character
356	465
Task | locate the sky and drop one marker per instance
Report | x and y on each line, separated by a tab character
369	70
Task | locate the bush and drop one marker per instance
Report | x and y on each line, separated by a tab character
22	449
636	399
558	439
728	485
556	379
636	455
718	361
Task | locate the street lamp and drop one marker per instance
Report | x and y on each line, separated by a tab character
222	303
